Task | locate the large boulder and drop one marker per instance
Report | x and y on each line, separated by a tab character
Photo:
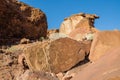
56	56
103	42
106	68
78	24
18	20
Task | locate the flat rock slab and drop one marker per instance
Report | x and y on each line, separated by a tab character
103	41
106	68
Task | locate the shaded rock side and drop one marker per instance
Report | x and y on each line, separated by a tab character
103	42
57	56
81	20
19	20
36	17
106	68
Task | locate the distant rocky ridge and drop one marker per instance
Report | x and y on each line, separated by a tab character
19	20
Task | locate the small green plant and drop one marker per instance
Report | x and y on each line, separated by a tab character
55	36
89	36
41	38
12	49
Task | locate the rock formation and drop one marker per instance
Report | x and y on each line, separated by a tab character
106	68
10	69
65	54
78	25
18	20
103	42
57	56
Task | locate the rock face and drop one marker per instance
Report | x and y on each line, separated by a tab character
13	67
78	24
37	57
106	68
57	56
80	34
103	42
19	20
9	68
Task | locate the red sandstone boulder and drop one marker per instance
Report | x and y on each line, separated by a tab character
57	56
106	68
103	42
18	20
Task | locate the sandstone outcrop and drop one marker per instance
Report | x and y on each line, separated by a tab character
19	20
57	56
103	42
82	23
106	68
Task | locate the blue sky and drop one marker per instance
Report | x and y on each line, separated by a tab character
57	10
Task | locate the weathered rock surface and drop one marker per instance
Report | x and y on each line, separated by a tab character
103	42
13	67
29	75
52	31
78	24
9	67
57	56
64	53
80	34
106	68
19	20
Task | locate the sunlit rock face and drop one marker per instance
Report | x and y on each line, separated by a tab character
18	20
105	68
69	23
103	42
76	26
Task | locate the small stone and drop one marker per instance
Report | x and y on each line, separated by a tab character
24	41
